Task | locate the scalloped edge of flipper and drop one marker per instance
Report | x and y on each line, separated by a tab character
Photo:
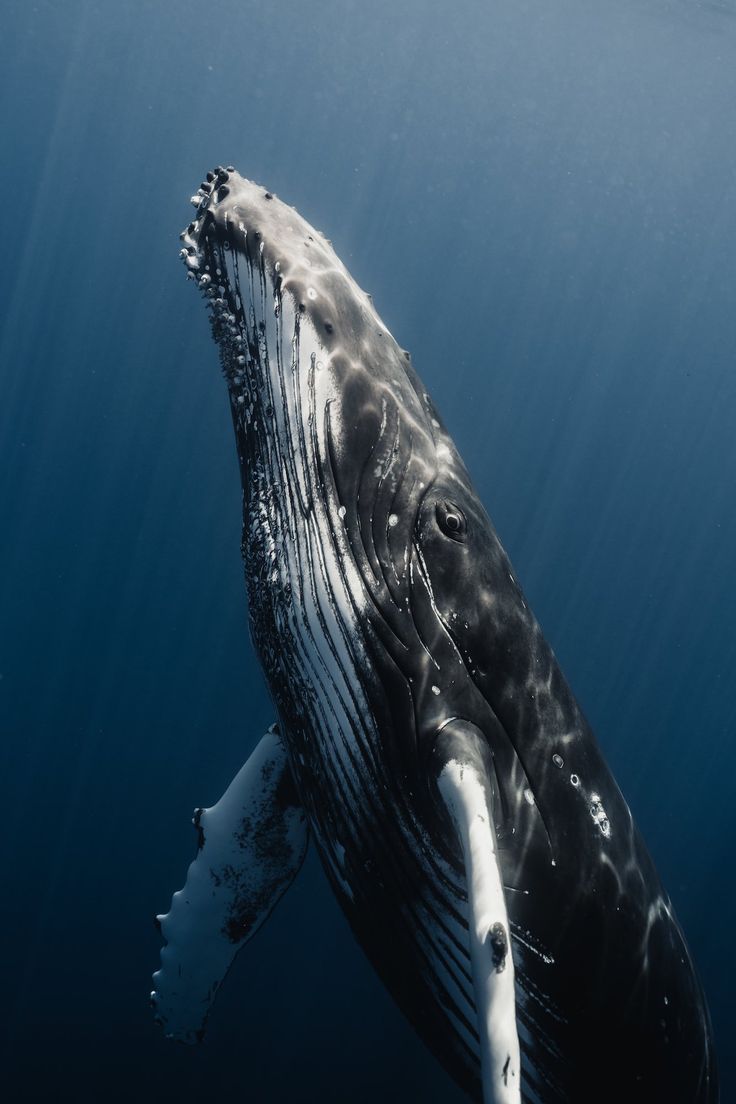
252	844
462	771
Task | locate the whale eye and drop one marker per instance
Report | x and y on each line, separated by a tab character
451	520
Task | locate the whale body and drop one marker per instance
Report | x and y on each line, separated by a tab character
426	741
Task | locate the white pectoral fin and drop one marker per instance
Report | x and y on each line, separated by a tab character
251	846
461	759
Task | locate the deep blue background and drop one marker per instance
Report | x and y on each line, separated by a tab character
541	196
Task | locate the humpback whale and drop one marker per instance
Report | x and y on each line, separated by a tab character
425	741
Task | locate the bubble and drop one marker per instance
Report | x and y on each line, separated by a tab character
342	511
435	689
529	796
558	760
598	815
393	520
574	779
311	293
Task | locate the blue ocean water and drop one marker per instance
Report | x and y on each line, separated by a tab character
541	198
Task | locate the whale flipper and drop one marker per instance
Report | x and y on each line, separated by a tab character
251	846
463	769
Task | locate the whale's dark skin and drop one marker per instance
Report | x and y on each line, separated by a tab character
366	546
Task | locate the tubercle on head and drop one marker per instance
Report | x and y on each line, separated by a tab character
215	183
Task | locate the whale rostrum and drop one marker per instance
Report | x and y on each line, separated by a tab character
427	742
